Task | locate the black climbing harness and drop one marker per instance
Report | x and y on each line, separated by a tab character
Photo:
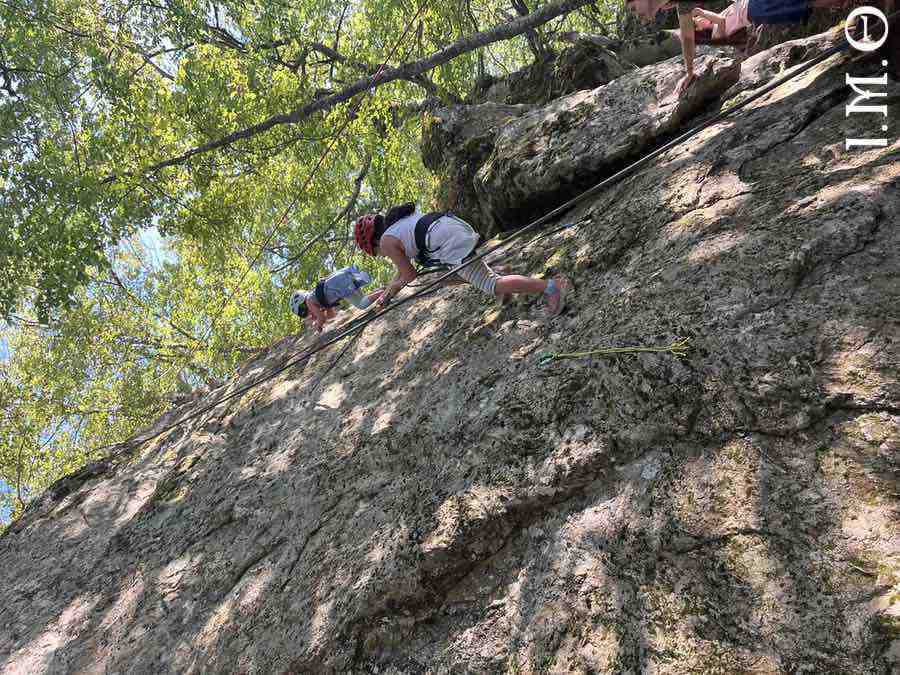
423	257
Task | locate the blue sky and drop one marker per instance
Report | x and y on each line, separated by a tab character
157	250
4	512
4	488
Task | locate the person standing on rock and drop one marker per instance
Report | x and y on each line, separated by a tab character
756	12
344	284
404	234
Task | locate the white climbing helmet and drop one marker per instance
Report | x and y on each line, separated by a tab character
298	304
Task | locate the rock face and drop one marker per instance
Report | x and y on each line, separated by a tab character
455	143
765	66
443	502
588	62
506	165
550	154
639	51
584	65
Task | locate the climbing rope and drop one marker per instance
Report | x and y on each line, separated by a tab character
678	348
374	315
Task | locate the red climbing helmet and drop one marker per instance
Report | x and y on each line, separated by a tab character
365	233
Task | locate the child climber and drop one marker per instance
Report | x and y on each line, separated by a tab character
345	284
404	234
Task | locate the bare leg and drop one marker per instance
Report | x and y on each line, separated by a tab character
487	281
516	283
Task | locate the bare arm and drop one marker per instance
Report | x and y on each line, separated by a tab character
315	311
393	249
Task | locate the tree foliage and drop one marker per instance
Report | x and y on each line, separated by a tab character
100	328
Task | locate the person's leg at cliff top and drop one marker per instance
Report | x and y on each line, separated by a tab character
760	12
450	241
647	11
722	24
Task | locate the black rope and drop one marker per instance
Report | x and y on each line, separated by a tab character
617	177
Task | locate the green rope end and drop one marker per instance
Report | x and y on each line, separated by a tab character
677	348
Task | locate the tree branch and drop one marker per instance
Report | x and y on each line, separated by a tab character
531	36
137	301
503	31
333	56
475	26
28	323
357	187
146	58
337	36
7	73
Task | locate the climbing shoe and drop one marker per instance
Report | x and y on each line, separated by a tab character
556	301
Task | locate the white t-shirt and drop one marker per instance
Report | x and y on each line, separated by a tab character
405	230
449	238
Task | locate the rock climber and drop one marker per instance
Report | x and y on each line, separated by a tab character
405	234
740	15
723	24
344	284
